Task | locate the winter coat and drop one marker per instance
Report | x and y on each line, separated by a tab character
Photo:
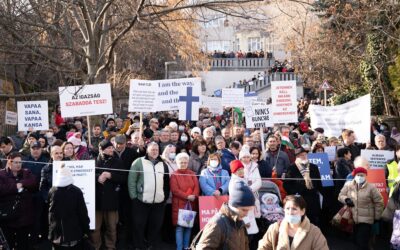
368	202
8	191
149	182
277	159
265	169
68	215
197	164
35	166
307	237
107	194
298	186
181	187
82	154
46	180
253	179
342	170
226	157
392	206
210	178
232	232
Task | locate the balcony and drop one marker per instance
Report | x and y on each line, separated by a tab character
266	81
238	64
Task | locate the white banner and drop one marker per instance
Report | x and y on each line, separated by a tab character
168	92
33	115
83	173
11	118
189	99
214	104
331	151
258	115
377	158
354	115
142	96
284	101
85	100
233	97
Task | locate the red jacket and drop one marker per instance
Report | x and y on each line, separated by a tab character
181	187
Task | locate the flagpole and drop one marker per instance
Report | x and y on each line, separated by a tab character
233	121
141	124
89	131
262	143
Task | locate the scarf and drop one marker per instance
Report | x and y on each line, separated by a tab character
305	172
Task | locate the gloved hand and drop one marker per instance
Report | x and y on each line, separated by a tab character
349	202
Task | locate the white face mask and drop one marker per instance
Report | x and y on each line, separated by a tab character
49	134
181	128
293	219
184	138
214	163
359	179
171	156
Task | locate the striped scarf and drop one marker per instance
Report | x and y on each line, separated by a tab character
305	172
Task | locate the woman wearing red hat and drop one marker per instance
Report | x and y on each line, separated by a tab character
366	204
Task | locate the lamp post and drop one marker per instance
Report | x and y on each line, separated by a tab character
166	67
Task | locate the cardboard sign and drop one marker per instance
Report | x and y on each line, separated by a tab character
377	178
354	115
209	206
233	98
33	116
85	100
142	96
284	101
258	115
11	118
214	104
377	158
331	151
83	173
322	161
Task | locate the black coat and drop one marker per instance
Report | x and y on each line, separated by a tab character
68	215
265	169
107	194
46	180
299	187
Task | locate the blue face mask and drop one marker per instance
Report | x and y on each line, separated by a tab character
293	219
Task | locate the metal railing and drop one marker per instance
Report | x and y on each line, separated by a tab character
241	63
266	81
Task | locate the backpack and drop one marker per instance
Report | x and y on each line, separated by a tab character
222	222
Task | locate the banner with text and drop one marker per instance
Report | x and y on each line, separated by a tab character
233	97
214	104
33	115
322	161
85	100
258	115
142	96
284	101
354	115
11	118
377	158
377	178
83	173
208	206
189	94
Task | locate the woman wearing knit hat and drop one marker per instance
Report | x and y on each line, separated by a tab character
366	204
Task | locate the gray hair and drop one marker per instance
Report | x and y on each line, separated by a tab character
181	156
360	161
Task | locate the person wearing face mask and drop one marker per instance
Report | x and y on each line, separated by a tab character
303	178
366	204
214	180
81	152
295	231
184	142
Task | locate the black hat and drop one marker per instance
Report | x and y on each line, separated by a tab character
240	195
105	144
300	150
36	145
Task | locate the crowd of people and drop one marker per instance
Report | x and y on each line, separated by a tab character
284	66
240	54
146	174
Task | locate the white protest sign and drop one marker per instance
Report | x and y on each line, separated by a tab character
189	100
354	115
250	97
142	96
85	100
331	151
233	97
11	118
83	173
214	104
168	92
33	115
377	158
258	115
284	101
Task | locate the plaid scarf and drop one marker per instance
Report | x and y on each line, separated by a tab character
305	172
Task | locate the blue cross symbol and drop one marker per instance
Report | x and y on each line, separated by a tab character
189	99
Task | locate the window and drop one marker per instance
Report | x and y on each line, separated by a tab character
254	44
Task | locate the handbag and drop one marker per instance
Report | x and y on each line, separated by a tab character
343	220
395	239
9	209
186	216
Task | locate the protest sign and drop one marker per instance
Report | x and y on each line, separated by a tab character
258	115
377	158
233	98
33	115
214	104
85	100
11	118
354	115
250	97
208	206
284	101
142	96
83	173
189	94
169	91
377	178
322	161
331	151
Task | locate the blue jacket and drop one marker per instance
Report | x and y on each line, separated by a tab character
226	158
208	183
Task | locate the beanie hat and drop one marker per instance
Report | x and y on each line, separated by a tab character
120	139
319	130
74	140
303	127
235	166
241	196
63	177
173	125
195	130
105	144
359	170
244	152
110	119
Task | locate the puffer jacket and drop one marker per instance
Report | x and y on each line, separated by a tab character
368	202
307	237
233	234
209	180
